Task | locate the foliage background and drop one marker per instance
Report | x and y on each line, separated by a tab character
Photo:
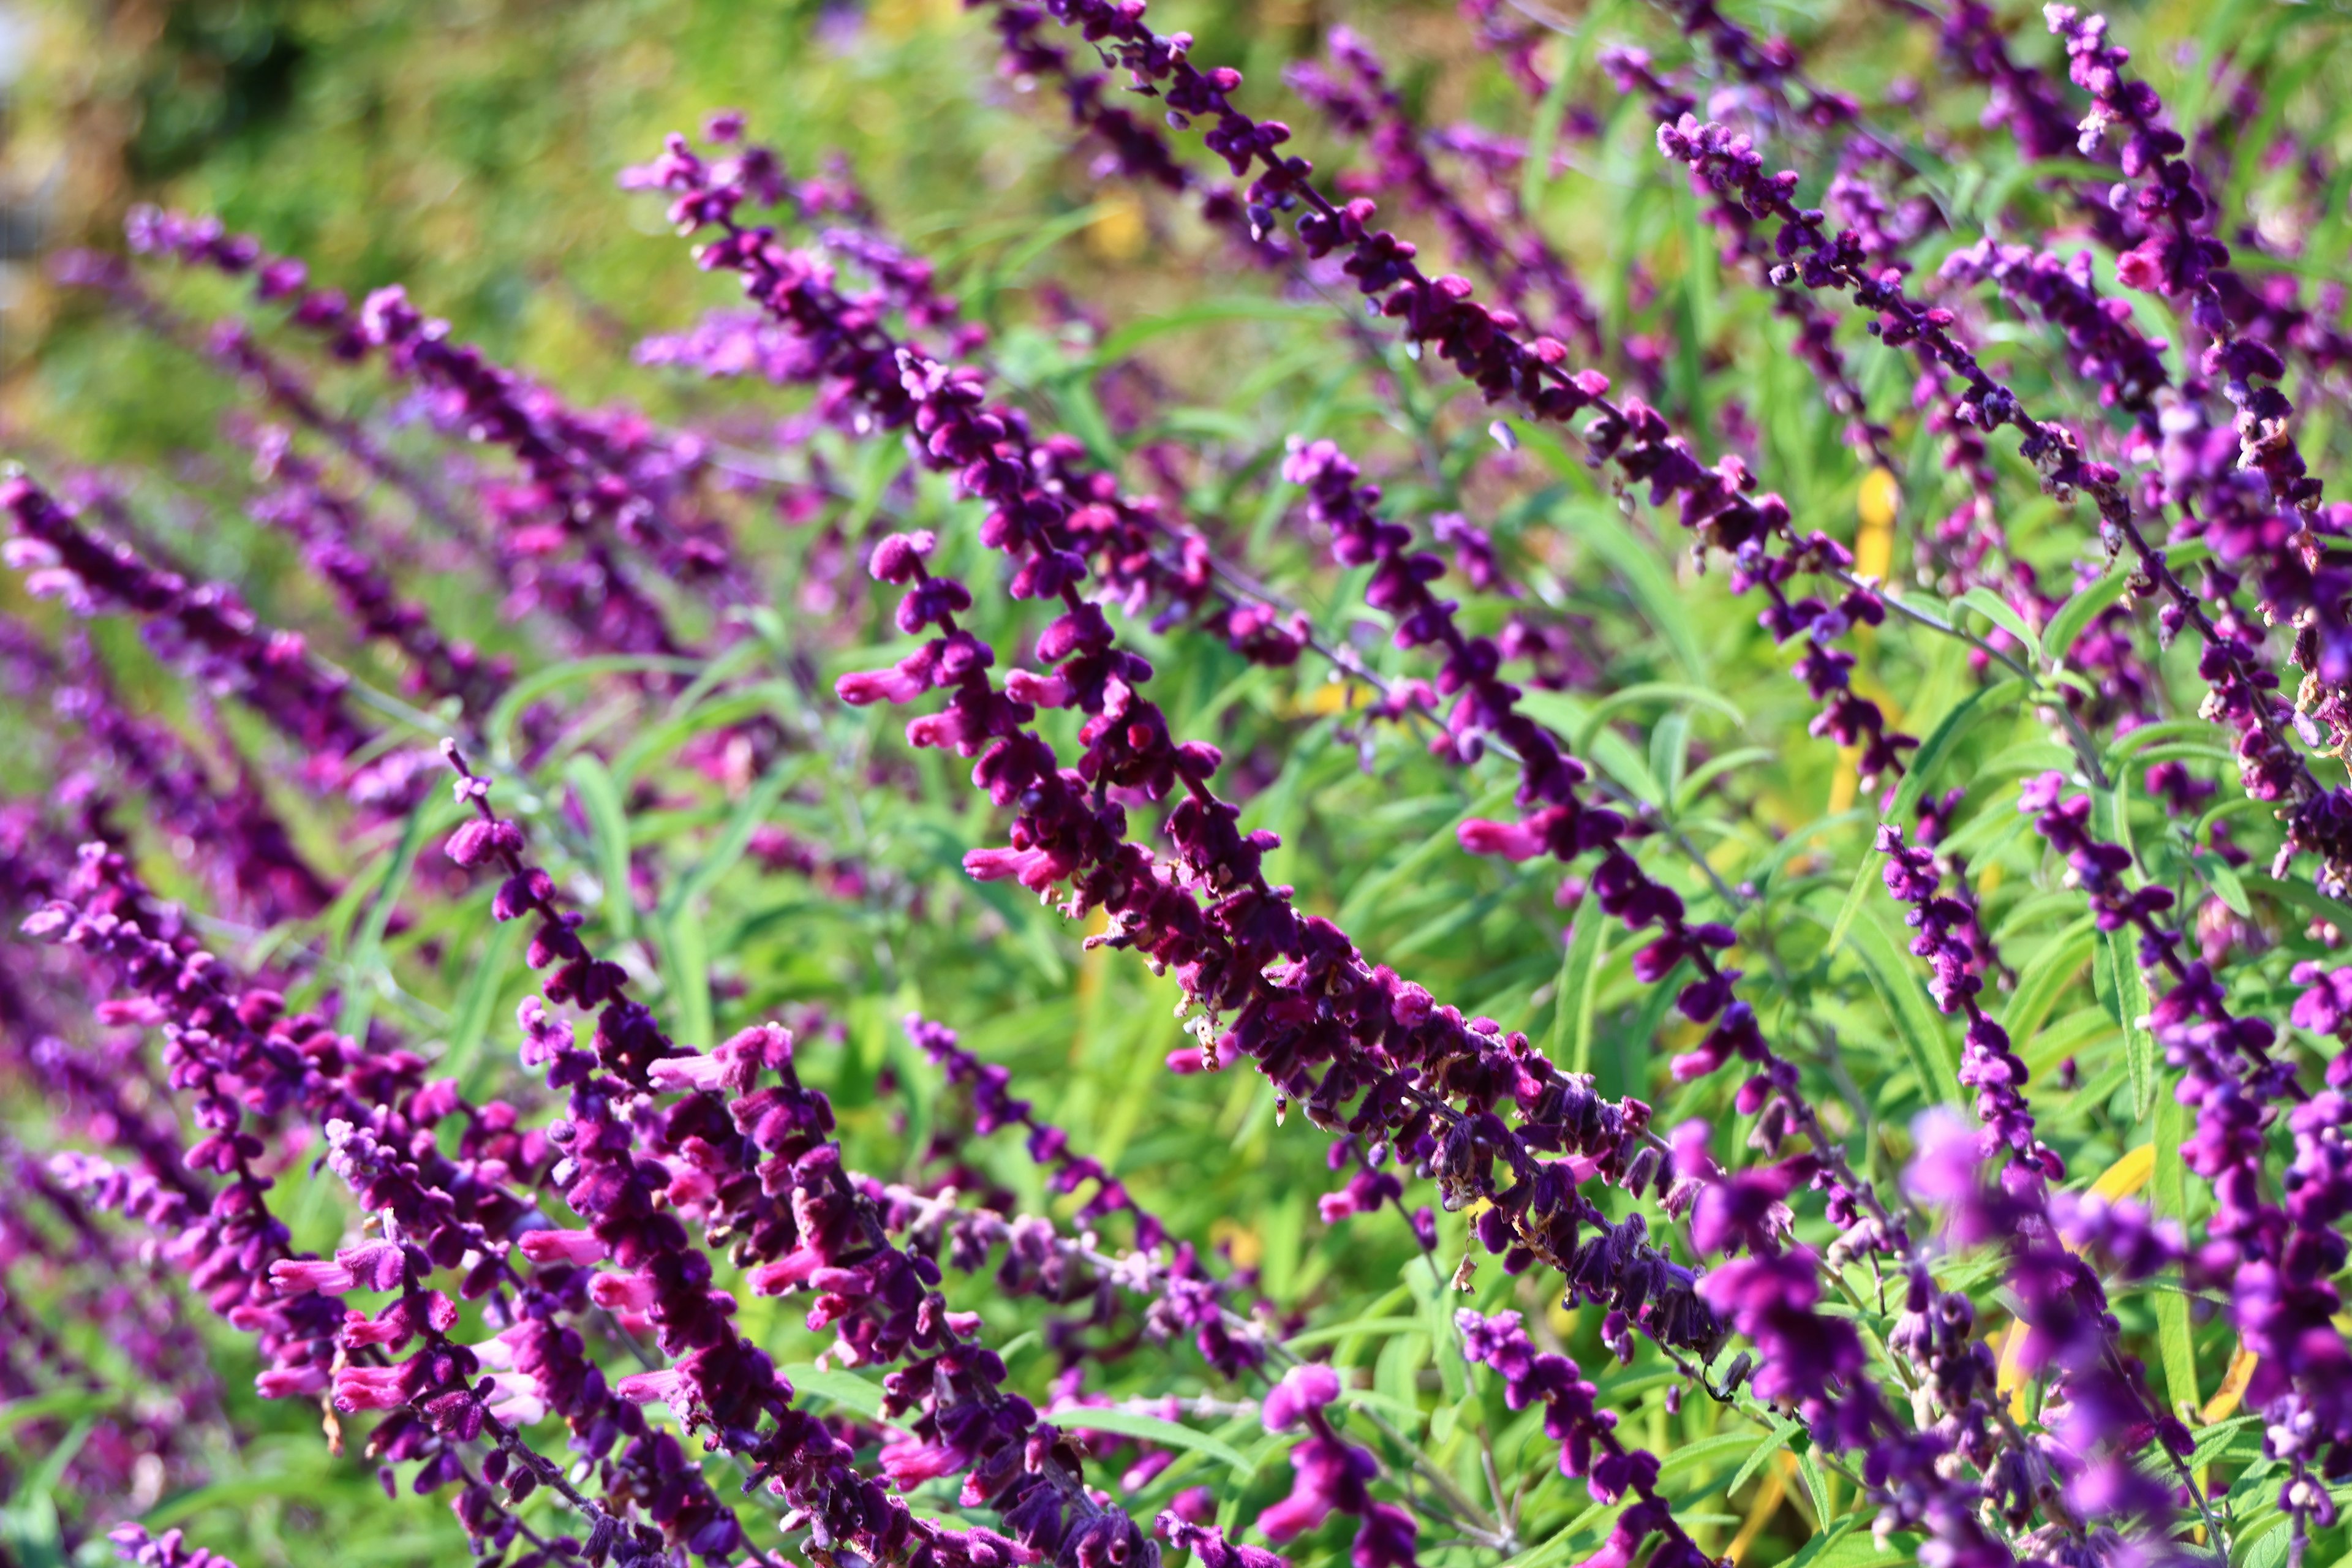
467	149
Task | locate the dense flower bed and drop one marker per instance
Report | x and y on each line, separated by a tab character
1772	889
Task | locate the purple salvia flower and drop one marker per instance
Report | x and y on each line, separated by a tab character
2321	819
1048	1145
334	537
203	629
1521	266
805	1227
2274	1262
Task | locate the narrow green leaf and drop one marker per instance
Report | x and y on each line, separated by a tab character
2111	817
1689	1456
498	729
1153	1429
1603	530
734	839
665	739
844	1388
2225	881
2265	1543
1872	870
1435	1298
72	1403
1962	717
1366	894
1811	1554
1917	1024
2212	1441
2130	991
1535	171
1987	834
690	975
1715	767
2045	977
1650	691
2301	896
2168	1196
1123	343
1948	731
1331	1332
367	952
2077	612
1772	1443
1579	961
608	828
1991	605
1817	1485
479	1001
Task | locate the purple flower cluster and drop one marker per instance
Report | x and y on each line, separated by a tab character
2243	691
203	630
760	1172
1522	267
2274	1262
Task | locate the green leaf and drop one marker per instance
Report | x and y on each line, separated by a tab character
1811	1554
844	1388
2117	954
2168	1196
2300	896
1366	894
1937	749
2265	1542
734	839
1772	1443
2121	749
1579	960
1715	767
2211	1441
1123	343
1817	1486
608	828
479	999
1991	605
1863	1550
1917	1024
2077	612
29	1525
71	1402
1987	834
1435	1298
1388	1405
1329	1332
1689	1456
690	975
2225	881
1963	716
1153	1429
1535	170
366	960
1664	605
499	730
1872	870
665	739
2046	976
2111	817
1647	692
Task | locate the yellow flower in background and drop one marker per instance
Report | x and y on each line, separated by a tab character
1120	233
1874	543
